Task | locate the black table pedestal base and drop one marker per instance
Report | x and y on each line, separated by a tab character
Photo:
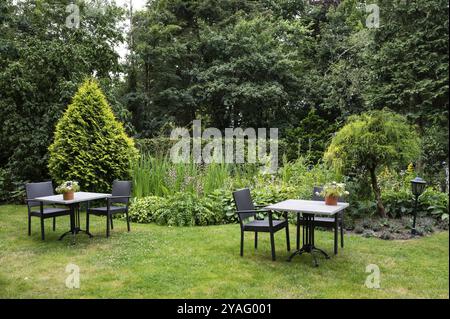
76	231
311	250
75	223
308	239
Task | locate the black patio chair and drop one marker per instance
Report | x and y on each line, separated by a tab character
336	223
246	209
41	189
121	193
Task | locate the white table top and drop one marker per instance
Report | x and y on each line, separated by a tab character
78	198
307	206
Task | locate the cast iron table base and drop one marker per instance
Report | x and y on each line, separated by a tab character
75	223
308	239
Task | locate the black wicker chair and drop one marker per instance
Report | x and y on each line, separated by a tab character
336	222
121	193
246	209
41	189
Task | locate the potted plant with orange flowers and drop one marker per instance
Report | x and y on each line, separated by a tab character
68	189
332	191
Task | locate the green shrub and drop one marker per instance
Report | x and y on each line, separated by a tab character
188	209
361	209
142	209
10	190
398	203
304	176
263	195
224	199
180	209
435	203
401	202
90	145
185	209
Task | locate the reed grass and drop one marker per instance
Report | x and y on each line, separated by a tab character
159	176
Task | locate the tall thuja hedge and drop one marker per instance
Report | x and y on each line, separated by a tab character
90	145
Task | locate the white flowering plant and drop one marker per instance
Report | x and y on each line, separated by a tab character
67	187
334	189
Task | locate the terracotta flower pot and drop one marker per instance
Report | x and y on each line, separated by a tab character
331	200
68	195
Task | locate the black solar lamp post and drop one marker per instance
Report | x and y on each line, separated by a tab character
417	187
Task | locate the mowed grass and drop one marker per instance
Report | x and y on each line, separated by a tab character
203	262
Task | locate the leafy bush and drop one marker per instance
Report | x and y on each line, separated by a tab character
431	202
304	176
188	201
90	145
187	209
142	209
225	202
181	209
360	209
398	203
435	203
3	185
10	190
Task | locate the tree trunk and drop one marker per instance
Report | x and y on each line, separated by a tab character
377	191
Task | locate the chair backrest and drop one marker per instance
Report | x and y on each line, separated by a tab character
38	190
316	193
243	201
121	188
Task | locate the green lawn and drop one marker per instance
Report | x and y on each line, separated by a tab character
203	262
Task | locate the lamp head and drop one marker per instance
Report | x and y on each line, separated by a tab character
418	186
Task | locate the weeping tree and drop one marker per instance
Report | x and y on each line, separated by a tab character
90	145
370	142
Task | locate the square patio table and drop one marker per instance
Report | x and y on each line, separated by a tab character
308	209
74	205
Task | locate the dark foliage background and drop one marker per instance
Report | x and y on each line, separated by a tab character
230	63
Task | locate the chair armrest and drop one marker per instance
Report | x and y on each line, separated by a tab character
108	199
31	200
252	211
41	203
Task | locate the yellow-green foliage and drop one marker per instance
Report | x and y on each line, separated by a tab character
371	140
90	145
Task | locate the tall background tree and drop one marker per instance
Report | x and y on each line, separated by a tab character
42	62
408	67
